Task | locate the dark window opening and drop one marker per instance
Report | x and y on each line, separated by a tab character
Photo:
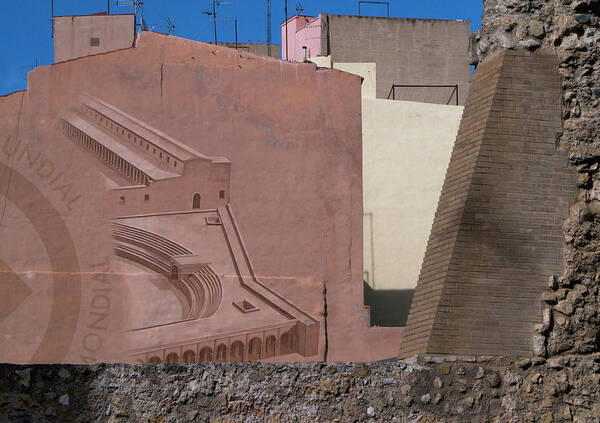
221	194
95	42
147	197
122	200
196	201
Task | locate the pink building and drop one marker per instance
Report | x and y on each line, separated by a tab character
300	33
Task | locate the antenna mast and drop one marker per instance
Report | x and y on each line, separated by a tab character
215	4
269	28
286	33
52	18
138	7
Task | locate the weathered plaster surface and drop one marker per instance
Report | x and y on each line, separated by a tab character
73	35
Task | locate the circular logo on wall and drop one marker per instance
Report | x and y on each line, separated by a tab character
40	282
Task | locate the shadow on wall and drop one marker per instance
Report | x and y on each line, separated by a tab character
389	307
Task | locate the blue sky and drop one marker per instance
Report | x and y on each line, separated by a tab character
25	36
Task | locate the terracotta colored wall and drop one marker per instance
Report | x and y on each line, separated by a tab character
256	48
295	189
72	35
497	232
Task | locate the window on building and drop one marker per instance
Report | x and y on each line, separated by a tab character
196	201
95	42
221	194
146	197
122	200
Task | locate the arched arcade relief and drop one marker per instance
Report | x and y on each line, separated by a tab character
172	358
254	349
189	357
270	345
196	201
237	351
206	354
221	353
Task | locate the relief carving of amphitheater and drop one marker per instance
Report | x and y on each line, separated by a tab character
191	242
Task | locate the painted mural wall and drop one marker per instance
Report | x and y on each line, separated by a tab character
177	201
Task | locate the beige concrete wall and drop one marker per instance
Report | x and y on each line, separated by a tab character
368	72
406	151
321	61
73	34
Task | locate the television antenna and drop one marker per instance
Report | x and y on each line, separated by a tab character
235	20
28	67
287	57
386	3
299	8
52	18
138	8
215	4
170	26
269	28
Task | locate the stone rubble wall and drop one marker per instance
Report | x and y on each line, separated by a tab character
571	316
430	390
